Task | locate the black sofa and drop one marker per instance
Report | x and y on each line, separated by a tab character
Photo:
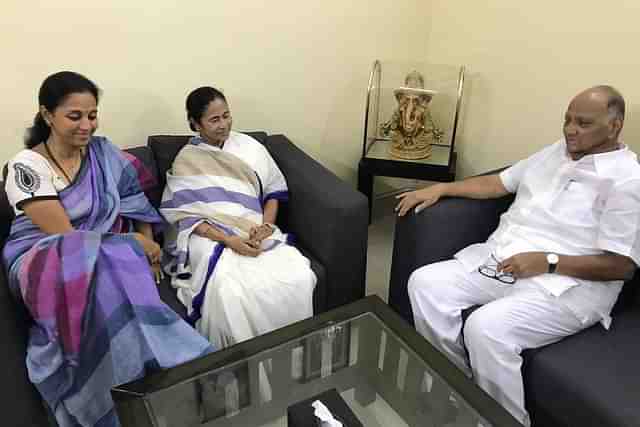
589	379
328	217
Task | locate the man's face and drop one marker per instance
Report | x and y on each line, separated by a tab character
589	128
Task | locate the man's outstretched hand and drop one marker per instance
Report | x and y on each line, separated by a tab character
422	198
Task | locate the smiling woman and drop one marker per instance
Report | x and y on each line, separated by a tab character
80	257
236	272
213	120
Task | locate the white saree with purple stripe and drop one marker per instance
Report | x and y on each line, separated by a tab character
230	297
98	320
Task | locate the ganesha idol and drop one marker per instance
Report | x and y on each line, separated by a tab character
411	127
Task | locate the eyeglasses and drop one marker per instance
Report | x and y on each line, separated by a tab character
491	271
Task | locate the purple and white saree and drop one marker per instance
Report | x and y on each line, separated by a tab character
97	318
230	297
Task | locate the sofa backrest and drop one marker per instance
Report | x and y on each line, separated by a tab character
6	214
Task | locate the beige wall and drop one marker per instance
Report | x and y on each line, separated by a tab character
301	68
292	67
525	61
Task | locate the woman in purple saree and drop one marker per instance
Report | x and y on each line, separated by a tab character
78	257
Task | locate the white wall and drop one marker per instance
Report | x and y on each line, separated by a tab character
526	60
292	67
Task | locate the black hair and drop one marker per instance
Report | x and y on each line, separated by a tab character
198	101
53	92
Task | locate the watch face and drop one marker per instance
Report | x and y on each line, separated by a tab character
552	258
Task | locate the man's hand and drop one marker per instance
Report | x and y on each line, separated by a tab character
260	232
423	198
246	247
525	264
477	187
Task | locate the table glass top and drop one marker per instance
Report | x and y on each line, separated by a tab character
382	380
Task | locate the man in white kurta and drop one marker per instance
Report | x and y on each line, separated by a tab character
556	262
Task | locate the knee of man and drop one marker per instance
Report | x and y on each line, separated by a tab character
427	280
477	328
414	283
420	285
485	333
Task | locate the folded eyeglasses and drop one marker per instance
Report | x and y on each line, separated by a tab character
491	271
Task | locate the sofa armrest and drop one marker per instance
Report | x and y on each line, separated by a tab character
328	217
20	403
436	234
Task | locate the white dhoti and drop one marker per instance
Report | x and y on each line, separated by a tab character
245	296
512	318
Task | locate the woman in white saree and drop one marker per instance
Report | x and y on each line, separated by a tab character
234	269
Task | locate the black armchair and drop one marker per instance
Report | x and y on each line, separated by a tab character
588	379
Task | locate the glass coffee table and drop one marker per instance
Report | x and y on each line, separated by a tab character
385	372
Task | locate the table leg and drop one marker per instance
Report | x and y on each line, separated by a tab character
365	184
368	342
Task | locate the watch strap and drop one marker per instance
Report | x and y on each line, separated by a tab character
552	266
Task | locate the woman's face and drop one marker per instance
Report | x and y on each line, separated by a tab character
74	120
215	124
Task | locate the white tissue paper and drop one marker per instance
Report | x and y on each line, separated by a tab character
326	417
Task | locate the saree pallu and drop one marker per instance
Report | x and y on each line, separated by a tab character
230	297
97	318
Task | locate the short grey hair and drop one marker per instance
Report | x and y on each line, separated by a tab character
615	101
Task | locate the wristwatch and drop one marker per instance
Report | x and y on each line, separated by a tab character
552	260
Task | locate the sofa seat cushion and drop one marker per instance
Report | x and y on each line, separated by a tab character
591	378
168	296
